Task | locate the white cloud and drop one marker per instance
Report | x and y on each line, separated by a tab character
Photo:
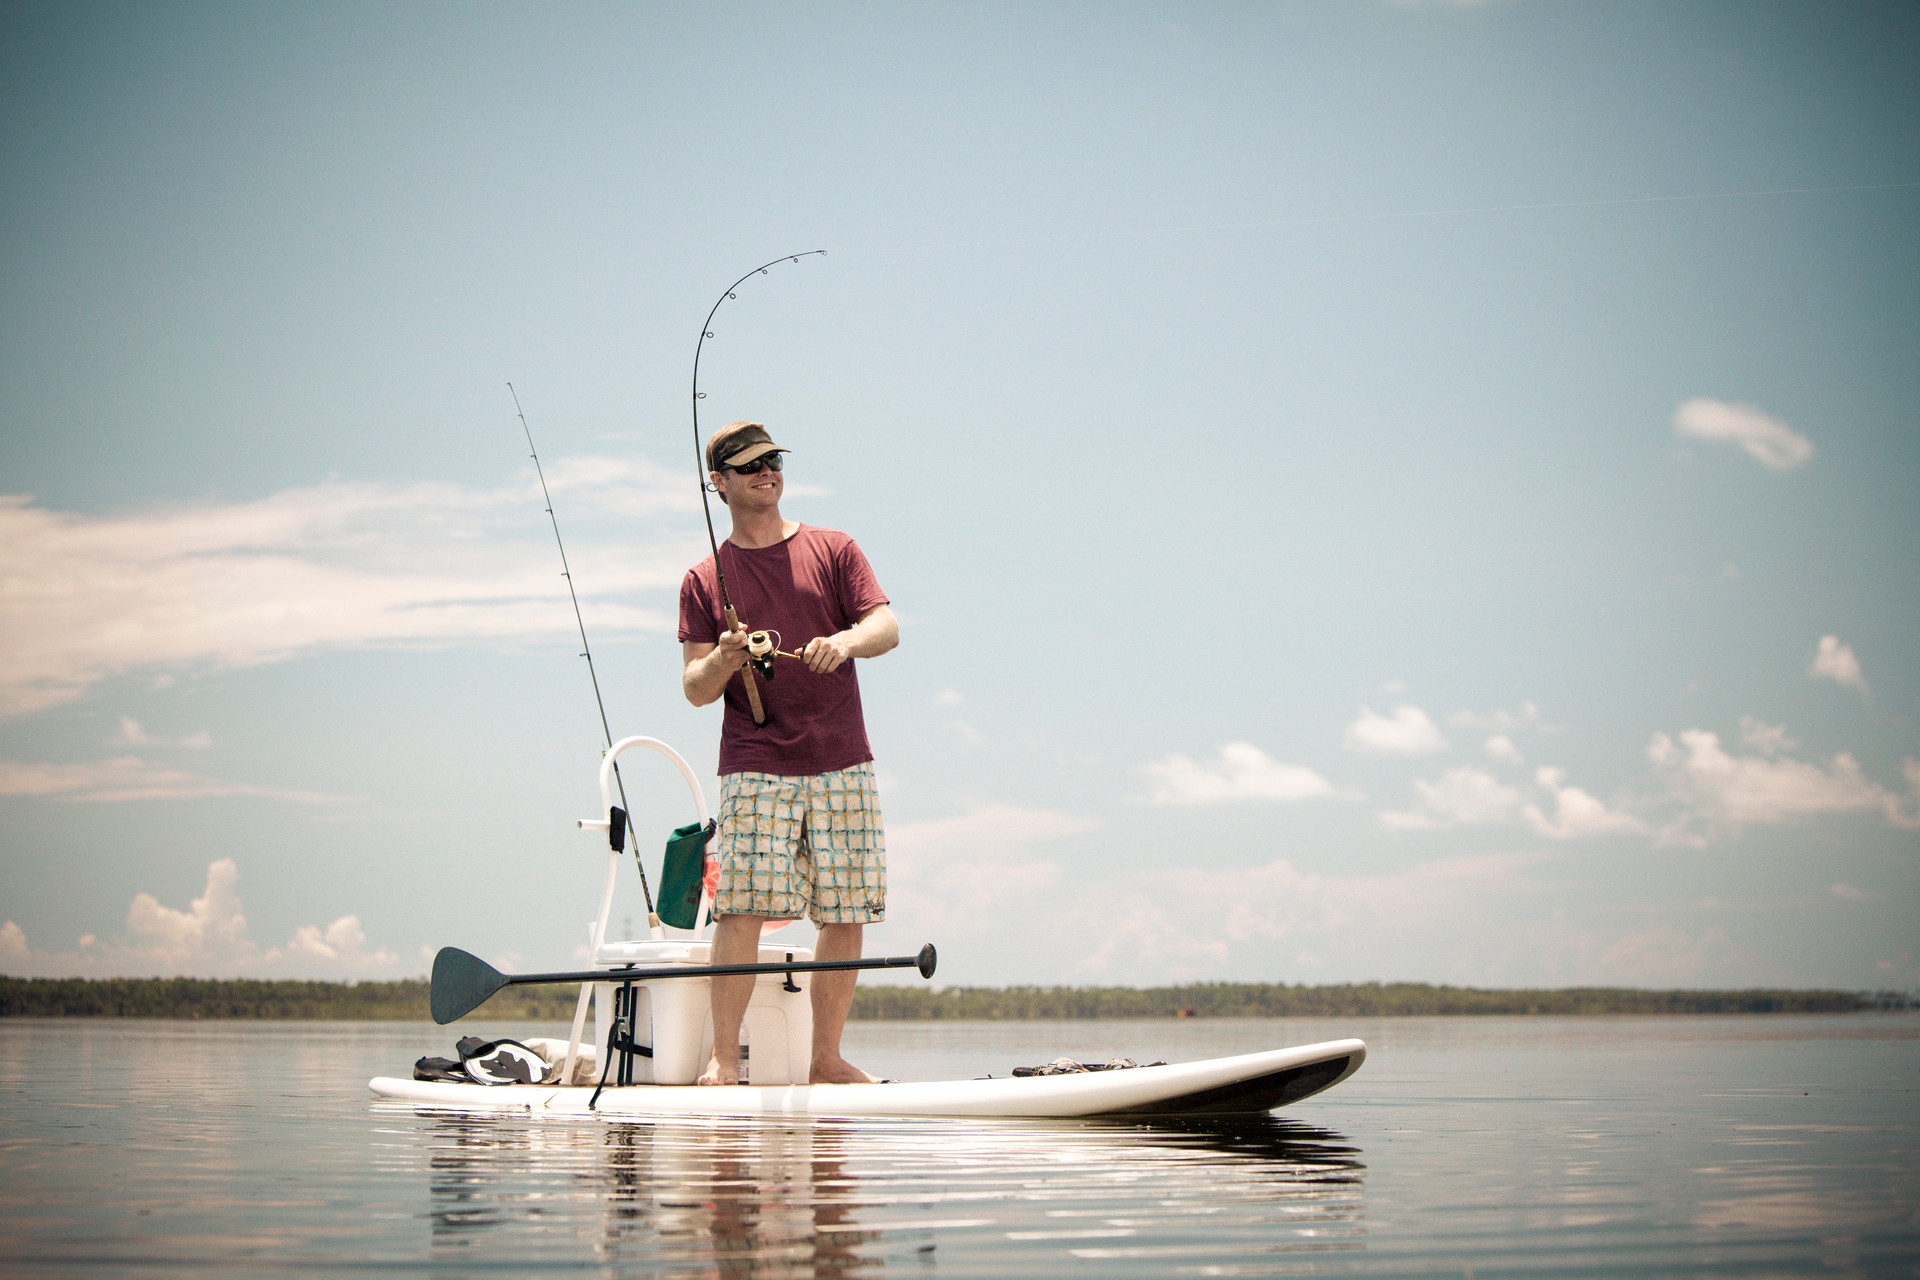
974	874
990	882
947	698
1767	739
131	778
1503	721
1242	771
1900	973
132	734
1501	747
343	938
14	955
1013	908
1467	796
1849	893
1660	955
212	930
1835	661
1772	443
1409	731
967	733
1141	926
990	827
1721	790
333	565
1576	813
210	938
1460	795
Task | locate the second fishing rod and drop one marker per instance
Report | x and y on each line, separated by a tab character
586	650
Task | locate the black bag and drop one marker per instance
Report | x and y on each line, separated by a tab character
441	1070
502	1062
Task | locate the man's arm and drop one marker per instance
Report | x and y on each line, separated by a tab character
875	633
707	667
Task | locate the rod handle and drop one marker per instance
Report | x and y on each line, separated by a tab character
746	673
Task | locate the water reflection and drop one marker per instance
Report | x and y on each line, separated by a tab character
834	1198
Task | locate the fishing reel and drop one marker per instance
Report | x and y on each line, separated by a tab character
762	648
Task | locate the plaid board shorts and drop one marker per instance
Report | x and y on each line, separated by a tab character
808	845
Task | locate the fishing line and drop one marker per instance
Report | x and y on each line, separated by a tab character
586	650
700	464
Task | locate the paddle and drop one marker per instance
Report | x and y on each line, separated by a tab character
462	982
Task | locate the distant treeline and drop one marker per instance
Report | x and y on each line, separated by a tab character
1356	1000
404	1001
407	1001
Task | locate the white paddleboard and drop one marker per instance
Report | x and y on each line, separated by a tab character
1247	1084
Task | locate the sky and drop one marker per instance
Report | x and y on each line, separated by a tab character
1400	491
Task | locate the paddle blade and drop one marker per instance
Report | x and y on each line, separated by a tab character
461	983
926	960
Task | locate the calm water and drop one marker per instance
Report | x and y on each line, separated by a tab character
1468	1146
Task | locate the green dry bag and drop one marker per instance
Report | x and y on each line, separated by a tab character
681	873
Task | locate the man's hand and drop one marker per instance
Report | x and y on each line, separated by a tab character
828	653
873	635
732	650
707	667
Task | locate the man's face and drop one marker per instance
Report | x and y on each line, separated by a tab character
759	491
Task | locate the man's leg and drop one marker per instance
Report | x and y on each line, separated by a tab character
736	940
832	995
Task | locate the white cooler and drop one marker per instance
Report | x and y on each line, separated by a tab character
675	1015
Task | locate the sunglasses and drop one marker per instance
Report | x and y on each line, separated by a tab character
770	460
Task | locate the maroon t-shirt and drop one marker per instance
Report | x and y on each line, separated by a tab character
813	584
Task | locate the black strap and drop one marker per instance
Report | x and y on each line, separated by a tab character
620	1040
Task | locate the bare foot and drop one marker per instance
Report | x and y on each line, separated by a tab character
839	1071
718	1072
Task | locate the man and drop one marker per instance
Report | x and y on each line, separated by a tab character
799	826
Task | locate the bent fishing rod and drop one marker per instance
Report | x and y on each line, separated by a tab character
760	646
586	650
